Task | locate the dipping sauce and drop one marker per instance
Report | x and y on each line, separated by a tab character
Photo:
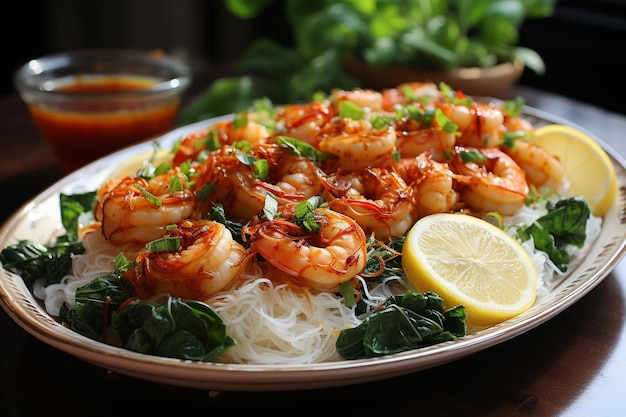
94	120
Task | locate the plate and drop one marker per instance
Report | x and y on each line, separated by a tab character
39	220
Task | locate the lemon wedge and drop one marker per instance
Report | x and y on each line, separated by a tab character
470	262
587	166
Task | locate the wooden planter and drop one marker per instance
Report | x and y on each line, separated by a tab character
492	81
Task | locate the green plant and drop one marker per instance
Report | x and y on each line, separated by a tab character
426	34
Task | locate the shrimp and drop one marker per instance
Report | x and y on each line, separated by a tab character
517	124
494	183
303	121
134	210
543	170
433	186
378	199
370	100
233	181
249	131
322	259
480	124
226	132
296	177
207	261
413	139
357	144
407	93
224	179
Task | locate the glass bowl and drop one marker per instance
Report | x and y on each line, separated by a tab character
89	103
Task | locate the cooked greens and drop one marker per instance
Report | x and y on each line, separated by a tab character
188	330
404	322
50	261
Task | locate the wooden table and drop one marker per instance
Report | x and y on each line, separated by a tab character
573	365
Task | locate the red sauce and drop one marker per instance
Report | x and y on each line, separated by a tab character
87	132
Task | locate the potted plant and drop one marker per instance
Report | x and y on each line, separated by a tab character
378	44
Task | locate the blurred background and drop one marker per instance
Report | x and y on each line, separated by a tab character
583	43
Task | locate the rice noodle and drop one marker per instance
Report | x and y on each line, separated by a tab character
280	323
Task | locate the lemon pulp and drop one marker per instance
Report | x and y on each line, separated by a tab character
470	262
587	166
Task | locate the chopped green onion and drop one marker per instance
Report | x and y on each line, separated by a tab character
514	107
164	244
380	122
261	169
241	120
509	138
446	124
175	184
472	155
349	110
150	197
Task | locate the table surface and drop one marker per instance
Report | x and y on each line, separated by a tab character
573	365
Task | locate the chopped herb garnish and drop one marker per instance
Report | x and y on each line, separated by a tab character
148	196
350	110
514	107
270	207
301	148
473	155
164	244
446	124
241	120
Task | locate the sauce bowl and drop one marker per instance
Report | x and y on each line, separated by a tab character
90	103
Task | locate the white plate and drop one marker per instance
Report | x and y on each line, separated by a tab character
39	219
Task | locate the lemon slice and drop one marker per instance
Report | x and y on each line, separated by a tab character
470	262
587	166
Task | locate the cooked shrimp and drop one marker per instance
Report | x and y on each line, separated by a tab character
134	211
370	100
480	124
296	177
320	259
433	186
235	184
357	144
413	139
543	170
224	179
494	184
407	93
190	146
303	121
379	200
517	124
207	261
229	132
226	132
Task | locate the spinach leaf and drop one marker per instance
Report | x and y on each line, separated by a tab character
72	206
217	213
188	330
405	322
564	224
94	304
34	260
